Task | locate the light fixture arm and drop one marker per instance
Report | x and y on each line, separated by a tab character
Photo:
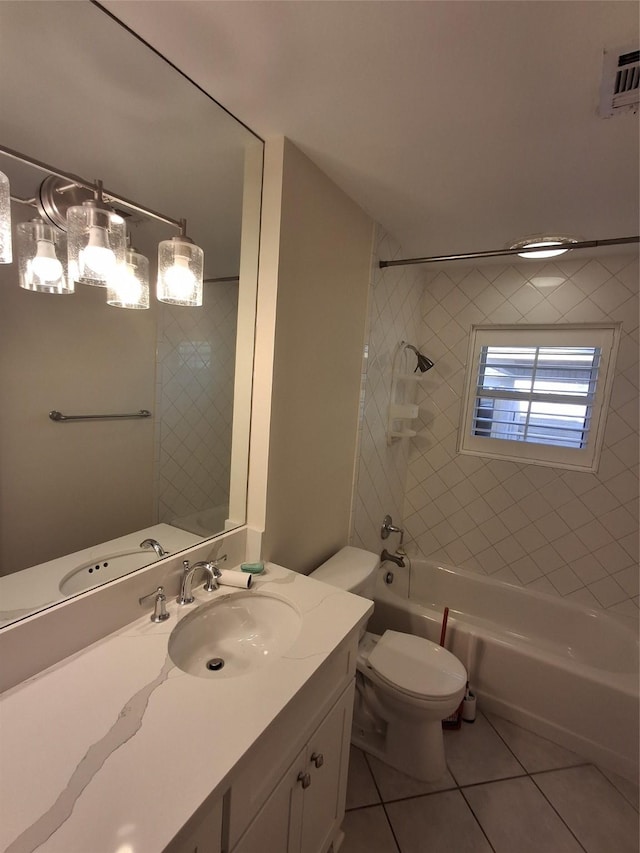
96	187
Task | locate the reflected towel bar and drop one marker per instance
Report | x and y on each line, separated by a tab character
58	416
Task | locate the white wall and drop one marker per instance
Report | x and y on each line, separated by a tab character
315	255
567	533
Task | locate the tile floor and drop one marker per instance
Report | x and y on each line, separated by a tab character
506	791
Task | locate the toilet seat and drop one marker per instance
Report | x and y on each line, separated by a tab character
416	667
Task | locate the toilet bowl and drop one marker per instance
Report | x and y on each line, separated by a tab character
406	685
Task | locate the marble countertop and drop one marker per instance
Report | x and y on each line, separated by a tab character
114	748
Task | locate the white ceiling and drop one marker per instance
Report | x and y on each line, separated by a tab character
459	126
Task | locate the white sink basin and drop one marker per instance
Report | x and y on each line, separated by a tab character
107	568
234	634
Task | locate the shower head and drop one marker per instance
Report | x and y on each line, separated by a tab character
424	363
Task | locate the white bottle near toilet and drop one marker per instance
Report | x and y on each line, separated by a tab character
406	685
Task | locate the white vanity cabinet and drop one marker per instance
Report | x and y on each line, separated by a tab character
305	810
288	794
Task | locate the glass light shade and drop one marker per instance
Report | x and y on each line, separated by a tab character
180	272
6	255
42	254
97	244
542	246
130	288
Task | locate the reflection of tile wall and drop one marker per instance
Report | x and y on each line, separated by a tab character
195	374
394	315
568	533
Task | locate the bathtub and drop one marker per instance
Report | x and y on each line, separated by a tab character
562	670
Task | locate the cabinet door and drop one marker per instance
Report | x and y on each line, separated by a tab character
276	827
327	764
203	833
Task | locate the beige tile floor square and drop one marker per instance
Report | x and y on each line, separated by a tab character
506	791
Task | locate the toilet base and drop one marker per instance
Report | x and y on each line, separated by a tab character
416	751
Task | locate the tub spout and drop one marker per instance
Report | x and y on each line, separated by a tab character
398	559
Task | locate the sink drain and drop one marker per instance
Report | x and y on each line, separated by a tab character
215	664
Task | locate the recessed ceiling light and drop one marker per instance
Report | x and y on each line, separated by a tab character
543	245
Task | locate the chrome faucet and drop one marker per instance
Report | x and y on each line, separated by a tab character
398	559
209	568
157	547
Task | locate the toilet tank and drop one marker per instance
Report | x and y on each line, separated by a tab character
351	569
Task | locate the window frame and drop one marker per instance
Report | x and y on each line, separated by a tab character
606	336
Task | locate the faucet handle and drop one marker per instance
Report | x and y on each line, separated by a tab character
160	605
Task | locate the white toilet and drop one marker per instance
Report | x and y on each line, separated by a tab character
406	685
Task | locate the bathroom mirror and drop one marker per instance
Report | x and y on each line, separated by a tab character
82	94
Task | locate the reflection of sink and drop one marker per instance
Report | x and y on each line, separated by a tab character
234	634
107	568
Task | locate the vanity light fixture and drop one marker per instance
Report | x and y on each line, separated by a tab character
6	256
543	246
180	270
130	287
42	256
97	251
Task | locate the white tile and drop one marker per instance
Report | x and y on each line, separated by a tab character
613	557
564	580
367	830
361	789
607	591
516	817
526	570
628	580
394	785
551	526
588	569
599	816
510	549
438	823
475	753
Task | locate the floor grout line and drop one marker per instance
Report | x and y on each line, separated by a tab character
615	788
386	814
559	815
477	820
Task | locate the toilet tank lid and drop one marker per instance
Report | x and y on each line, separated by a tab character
347	569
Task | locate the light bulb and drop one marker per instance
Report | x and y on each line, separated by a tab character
41	251
45	265
542	250
129	287
97	242
97	258
180	280
180	271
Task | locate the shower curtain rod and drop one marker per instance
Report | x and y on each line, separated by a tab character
498	253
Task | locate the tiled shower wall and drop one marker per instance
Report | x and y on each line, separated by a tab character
568	533
394	315
194	393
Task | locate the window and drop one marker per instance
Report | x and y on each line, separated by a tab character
538	394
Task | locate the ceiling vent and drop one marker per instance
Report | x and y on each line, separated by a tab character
619	92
